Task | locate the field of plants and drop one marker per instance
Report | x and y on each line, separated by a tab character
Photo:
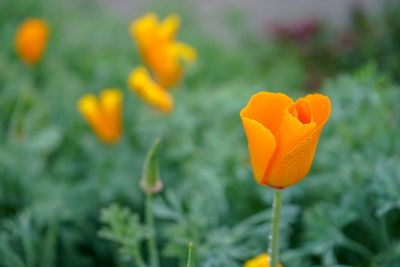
110	157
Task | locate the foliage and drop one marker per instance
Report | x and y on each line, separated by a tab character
55	176
123	228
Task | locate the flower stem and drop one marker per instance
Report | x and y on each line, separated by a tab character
190	262
151	242
274	236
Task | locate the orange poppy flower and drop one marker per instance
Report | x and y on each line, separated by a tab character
31	40
261	260
283	135
159	49
103	114
141	83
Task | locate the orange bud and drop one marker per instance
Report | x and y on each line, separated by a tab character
283	135
103	114
31	40
261	260
151	92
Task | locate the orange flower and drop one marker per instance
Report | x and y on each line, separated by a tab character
151	92
31	40
160	51
283	135
261	260
103	114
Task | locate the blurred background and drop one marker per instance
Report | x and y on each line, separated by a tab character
56	177
260	13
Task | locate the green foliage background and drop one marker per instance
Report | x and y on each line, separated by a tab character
55	176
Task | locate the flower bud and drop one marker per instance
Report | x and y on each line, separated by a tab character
150	182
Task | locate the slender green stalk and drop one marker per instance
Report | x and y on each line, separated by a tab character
138	257
190	262
274	236
151	242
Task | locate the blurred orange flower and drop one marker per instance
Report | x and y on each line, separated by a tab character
31	40
140	82
159	49
103	114
283	135
261	260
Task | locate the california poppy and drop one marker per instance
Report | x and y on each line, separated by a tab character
150	91
159	49
261	260
103	114
283	135
31	40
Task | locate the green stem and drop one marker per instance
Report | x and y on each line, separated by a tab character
274	236
151	242
138	257
190	256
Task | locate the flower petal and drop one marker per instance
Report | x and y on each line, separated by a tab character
304	112
88	107
267	108
293	162
261	146
320	107
296	164
184	51
144	28
290	133
140	82
169	27
110	99
111	102
261	260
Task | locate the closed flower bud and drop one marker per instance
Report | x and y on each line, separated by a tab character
151	182
283	135
31	40
103	114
